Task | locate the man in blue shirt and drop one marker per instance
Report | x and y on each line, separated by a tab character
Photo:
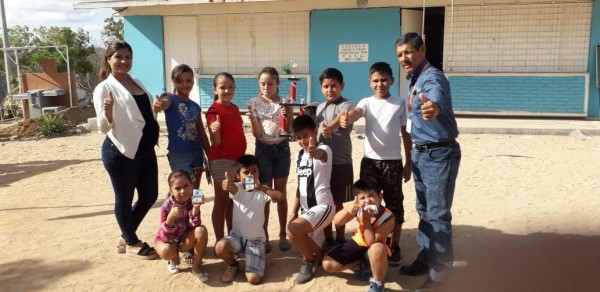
435	156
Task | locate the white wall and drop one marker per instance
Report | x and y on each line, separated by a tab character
244	43
181	48
517	38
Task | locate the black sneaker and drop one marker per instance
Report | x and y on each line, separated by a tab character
417	268
396	257
428	286
364	271
307	272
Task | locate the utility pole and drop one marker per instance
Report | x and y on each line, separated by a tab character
6	45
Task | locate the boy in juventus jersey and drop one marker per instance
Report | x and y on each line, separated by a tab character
313	196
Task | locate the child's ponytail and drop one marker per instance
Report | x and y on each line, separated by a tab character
219	75
273	73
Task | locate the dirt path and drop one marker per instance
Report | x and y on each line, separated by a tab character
515	192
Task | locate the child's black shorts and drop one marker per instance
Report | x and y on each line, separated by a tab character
348	252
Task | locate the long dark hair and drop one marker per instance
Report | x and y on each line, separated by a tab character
110	50
219	75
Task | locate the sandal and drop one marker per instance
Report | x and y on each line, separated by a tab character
187	257
229	275
172	268
201	276
144	252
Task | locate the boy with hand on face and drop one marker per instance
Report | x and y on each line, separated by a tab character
375	222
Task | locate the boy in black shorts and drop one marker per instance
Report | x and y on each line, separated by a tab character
385	120
375	222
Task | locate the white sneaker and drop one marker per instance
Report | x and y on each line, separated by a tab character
172	268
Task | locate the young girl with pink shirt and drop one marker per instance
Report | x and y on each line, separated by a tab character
180	226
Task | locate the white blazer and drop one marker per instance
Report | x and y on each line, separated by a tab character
126	129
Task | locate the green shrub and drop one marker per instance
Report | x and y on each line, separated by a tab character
52	124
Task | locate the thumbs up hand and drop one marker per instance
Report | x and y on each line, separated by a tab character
429	108
107	106
227	183
325	131
355	206
251	113
344	120
216	125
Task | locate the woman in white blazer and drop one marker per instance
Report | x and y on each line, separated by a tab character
124	114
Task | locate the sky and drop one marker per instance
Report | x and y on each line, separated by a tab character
38	13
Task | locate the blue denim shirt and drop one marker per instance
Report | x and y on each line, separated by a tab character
436	87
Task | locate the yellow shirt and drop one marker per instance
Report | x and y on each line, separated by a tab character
359	236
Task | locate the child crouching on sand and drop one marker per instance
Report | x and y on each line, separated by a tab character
375	222
247	234
313	196
180	226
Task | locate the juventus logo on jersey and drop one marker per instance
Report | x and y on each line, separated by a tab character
306	177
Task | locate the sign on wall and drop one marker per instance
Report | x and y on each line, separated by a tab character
353	53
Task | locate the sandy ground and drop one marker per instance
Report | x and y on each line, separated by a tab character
526	212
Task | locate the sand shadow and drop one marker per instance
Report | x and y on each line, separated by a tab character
36	274
156	204
10	173
55	207
498	261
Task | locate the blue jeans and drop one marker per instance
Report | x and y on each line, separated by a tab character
434	174
127	175
186	161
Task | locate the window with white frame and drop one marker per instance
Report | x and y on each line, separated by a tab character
517	38
245	43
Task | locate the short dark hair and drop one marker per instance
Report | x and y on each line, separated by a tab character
302	122
246	161
331	73
412	38
382	68
366	185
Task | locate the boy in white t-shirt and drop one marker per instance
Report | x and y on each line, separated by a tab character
385	120
247	234
313	168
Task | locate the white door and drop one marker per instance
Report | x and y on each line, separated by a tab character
412	21
181	47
